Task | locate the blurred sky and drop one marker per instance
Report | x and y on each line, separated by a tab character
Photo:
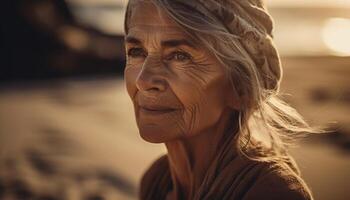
311	3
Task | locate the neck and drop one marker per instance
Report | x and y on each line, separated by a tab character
191	157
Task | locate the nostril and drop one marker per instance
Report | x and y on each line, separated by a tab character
150	83
159	85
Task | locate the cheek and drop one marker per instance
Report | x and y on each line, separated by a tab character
130	75
203	98
196	86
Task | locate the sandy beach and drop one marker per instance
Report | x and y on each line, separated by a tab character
77	137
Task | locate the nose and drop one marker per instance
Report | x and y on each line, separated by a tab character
150	78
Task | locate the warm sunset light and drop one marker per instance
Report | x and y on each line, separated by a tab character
336	35
175	99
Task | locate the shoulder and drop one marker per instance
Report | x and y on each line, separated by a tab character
157	169
277	180
156	180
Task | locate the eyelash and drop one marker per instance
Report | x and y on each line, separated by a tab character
139	52
186	56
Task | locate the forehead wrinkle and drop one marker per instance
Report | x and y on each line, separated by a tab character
156	29
152	24
153	28
160	39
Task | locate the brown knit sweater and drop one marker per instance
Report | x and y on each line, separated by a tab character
232	176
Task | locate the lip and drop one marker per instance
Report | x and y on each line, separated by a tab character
155	110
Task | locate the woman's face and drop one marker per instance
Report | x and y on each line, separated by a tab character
178	88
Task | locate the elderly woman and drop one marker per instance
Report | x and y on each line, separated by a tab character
203	76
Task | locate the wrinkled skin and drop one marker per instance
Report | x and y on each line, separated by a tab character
178	88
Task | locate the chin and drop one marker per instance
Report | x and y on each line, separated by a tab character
153	134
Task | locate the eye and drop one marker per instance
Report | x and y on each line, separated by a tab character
179	56
136	52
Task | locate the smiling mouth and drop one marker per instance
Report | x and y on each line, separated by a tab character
155	110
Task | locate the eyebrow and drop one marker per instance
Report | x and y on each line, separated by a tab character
165	43
133	40
178	42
